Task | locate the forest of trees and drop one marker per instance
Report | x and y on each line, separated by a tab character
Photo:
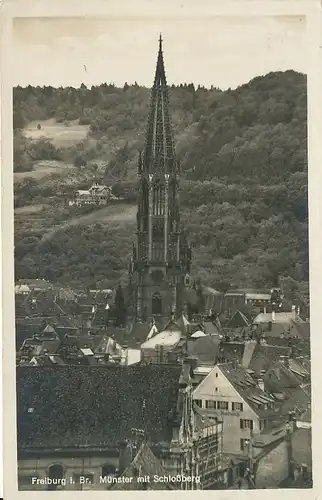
243	155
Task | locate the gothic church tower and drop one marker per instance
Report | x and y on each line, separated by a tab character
160	265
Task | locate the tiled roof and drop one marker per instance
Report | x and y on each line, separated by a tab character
301	366
278	378
248	389
264	356
296	400
249	349
299	347
212	329
205	349
133	338
144	464
238	319
231	351
82	405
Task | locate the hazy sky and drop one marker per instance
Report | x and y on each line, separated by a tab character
220	51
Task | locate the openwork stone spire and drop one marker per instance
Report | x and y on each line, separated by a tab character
159	155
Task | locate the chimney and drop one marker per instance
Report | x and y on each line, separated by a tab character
293	312
261	384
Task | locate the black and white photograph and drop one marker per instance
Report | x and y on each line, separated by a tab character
161	255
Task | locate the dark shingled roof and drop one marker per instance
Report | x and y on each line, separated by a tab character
205	349
279	377
238	319
264	356
94	406
248	389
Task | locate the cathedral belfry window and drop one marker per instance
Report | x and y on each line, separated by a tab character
156	304
158	200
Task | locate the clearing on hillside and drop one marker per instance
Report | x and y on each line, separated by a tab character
43	168
30	209
118	213
60	134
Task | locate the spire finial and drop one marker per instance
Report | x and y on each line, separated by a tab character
160	42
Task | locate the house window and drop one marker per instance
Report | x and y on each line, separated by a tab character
262	424
210	404
222	405
246	424
237	406
198	402
244	443
216	374
156	304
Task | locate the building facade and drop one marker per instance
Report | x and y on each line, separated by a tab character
229	394
160	264
95	195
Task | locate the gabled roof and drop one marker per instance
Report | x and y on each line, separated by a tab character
212	329
205	349
264	356
94	406
49	329
238	319
249	349
278	378
246	386
300	366
297	399
145	463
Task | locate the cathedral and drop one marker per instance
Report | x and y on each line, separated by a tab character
159	270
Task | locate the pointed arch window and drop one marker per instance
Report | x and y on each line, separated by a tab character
56	473
156	303
158	200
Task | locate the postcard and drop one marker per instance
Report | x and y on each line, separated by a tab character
160	184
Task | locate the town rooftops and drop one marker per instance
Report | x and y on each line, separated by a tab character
238	319
257	399
94	406
146	464
281	317
167	338
205	349
263	356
